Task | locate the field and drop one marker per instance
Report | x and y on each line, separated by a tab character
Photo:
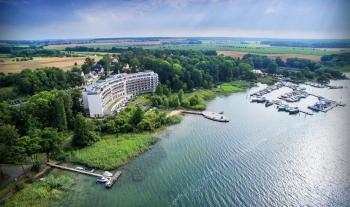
235	49
107	45
237	54
113	151
39	62
253	48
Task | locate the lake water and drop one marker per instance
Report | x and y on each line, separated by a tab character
260	158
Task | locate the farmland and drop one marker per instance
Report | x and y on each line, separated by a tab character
106	45
239	48
237	54
252	49
9	66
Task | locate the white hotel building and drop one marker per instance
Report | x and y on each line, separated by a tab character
105	96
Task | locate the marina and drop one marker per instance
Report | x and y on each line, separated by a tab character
297	94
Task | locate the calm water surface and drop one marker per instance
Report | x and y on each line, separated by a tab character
260	158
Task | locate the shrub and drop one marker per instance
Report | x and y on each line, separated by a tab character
61	182
36	166
19	186
174	119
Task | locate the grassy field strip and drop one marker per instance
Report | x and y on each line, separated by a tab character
113	151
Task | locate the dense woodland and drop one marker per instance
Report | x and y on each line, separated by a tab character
53	107
29	51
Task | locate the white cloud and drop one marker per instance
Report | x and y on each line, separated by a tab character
269	10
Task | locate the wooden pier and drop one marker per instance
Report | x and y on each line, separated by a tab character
73	169
192	112
209	115
115	177
305	112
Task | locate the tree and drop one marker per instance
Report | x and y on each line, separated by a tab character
174	101
8	137
83	132
87	65
272	67
137	116
51	141
76	99
31	146
181	96
194	100
105	62
59	118
68	107
11	149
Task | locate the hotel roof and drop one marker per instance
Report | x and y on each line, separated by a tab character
100	84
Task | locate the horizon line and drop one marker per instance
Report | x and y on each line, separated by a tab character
168	37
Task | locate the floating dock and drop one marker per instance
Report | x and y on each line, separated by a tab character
73	169
115	177
209	115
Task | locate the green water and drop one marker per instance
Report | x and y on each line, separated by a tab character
260	158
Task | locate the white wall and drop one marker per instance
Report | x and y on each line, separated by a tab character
85	100
95	105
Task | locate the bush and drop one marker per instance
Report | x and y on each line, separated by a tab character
19	186
30	179
174	119
36	166
61	182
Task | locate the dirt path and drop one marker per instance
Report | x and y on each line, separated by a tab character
174	112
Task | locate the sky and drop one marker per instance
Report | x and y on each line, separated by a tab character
52	19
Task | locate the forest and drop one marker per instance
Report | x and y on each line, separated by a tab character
31	51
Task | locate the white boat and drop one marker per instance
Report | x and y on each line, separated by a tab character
293	110
79	168
107	174
102	179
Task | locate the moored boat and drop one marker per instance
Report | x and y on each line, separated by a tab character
293	110
268	103
282	107
102	179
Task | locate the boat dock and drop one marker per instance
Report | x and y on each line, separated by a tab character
115	177
209	115
305	112
73	169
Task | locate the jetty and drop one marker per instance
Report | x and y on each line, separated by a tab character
113	179
305	112
209	115
73	169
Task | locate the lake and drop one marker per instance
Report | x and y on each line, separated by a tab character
262	157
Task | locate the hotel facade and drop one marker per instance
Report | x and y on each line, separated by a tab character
105	96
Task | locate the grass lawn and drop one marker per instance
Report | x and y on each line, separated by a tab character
113	151
229	88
